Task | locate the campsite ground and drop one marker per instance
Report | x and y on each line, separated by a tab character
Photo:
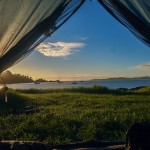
73	115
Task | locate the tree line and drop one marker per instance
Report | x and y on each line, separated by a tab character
8	78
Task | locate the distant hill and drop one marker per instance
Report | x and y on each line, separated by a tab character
125	78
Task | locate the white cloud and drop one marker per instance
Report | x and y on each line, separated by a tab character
59	49
141	67
83	38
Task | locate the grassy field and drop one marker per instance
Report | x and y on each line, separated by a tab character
73	115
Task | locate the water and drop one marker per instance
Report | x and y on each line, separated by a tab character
113	84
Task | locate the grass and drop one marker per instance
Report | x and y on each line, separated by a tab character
73	115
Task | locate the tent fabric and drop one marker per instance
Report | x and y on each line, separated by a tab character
19	17
133	14
26	23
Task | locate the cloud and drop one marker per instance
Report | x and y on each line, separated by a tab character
83	38
59	49
141	67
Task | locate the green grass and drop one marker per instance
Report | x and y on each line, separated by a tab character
73	115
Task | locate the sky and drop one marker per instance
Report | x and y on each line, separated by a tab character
90	45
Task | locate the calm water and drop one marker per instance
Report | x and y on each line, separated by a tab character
109	83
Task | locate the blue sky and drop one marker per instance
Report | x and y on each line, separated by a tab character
89	45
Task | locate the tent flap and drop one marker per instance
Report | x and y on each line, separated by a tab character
134	15
26	23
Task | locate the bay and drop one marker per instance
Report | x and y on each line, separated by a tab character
112	84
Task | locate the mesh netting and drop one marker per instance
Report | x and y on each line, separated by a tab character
135	15
27	23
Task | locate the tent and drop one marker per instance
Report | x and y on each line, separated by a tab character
27	23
